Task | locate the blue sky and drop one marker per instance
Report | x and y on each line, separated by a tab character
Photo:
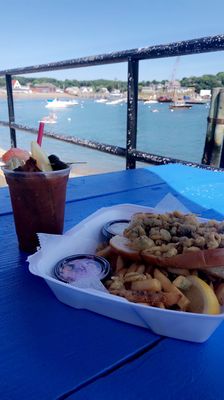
54	30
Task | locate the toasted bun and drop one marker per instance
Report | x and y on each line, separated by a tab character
120	246
200	259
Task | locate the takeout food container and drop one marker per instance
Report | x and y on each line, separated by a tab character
84	238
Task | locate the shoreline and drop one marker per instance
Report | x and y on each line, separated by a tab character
45	96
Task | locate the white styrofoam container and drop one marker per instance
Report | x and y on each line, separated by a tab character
84	238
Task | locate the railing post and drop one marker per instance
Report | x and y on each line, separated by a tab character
132	110
8	79
214	149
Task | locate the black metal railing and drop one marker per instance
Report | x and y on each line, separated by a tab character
132	57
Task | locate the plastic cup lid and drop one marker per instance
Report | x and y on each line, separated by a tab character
114	227
79	266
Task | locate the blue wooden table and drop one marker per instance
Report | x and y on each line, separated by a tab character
51	351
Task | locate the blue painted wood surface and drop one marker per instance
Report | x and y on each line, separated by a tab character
204	187
97	185
171	370
49	350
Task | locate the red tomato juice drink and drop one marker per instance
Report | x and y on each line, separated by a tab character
38	202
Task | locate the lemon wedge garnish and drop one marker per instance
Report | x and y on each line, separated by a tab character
40	156
201	296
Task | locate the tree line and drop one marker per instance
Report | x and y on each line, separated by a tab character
207	81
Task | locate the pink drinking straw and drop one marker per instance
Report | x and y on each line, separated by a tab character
40	133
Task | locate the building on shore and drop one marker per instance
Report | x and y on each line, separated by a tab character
18	88
168	89
205	93
43	88
73	90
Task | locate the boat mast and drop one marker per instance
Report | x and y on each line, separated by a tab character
172	84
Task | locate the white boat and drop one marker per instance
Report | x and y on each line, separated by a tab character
179	105
101	101
114	102
150	102
56	103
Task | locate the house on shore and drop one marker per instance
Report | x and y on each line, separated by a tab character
87	91
18	88
43	88
73	90
205	93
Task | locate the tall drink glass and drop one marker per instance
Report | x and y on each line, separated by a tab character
38	202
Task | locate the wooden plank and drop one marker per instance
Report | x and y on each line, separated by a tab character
148	196
172	370
202	186
48	348
97	185
45	341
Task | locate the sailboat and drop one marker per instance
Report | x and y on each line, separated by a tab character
179	105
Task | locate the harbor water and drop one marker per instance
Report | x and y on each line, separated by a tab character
179	134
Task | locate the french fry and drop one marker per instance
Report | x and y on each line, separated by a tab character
144	284
172	298
183	303
133	267
174	292
134	276
140	269
149	269
166	284
153	285
119	264
122	272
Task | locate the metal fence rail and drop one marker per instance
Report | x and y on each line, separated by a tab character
132	57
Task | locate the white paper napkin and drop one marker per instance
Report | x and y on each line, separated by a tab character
170	203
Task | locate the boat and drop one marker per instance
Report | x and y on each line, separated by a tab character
49	119
101	101
192	101
150	102
164	99
179	105
56	103
114	102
